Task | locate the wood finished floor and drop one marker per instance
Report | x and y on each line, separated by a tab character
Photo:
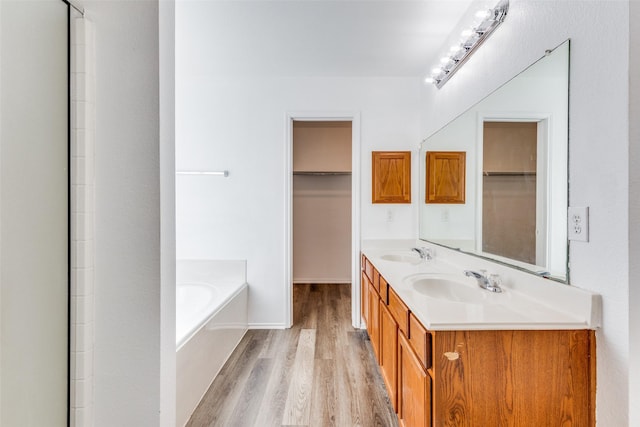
321	372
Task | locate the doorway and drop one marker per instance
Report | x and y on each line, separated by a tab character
323	187
513	196
321	202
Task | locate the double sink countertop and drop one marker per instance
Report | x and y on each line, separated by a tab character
442	297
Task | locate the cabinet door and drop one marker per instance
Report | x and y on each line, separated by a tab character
389	352
373	324
535	378
391	175
414	388
364	298
445	177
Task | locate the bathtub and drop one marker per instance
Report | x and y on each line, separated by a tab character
211	319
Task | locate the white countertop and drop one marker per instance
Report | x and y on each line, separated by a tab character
526	303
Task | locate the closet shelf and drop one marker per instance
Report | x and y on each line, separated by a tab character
486	173
321	173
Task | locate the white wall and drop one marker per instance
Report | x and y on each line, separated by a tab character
634	212
127	168
239	124
167	11
599	146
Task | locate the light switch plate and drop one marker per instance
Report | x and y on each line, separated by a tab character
578	223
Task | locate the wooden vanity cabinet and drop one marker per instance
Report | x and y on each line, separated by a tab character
510	378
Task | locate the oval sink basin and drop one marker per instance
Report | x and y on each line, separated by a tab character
450	288
407	258
446	289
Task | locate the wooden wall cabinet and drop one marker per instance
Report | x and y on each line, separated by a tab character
391	176
446	172
514	378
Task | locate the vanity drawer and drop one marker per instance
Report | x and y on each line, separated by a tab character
383	290
368	268
399	311
420	341
376	280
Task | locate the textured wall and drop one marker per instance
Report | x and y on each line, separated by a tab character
598	153
127	201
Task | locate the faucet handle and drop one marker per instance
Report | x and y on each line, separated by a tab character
495	280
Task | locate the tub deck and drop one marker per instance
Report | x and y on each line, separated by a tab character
203	346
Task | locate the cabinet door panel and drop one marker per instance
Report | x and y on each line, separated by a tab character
373	324
389	352
420	341
534	378
414	388
364	298
391	176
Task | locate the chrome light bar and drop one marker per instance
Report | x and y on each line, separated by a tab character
471	39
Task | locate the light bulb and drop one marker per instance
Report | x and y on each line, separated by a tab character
429	80
466	33
483	14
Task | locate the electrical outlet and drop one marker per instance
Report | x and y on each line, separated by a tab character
578	224
390	215
444	216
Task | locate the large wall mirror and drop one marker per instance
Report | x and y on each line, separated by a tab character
516	145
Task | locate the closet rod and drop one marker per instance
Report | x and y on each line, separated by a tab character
320	173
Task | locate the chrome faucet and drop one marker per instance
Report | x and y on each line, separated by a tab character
490	283
425	253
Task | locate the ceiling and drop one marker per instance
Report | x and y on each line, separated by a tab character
314	37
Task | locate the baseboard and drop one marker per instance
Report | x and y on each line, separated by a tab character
267	326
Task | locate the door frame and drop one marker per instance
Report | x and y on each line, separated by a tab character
326	116
543	121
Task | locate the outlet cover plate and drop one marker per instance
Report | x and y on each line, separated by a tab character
578	224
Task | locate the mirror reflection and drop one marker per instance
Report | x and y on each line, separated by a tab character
516	144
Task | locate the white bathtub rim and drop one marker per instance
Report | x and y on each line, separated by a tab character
225	301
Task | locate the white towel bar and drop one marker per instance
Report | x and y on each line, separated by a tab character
216	173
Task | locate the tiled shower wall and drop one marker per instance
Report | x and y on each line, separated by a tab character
82	220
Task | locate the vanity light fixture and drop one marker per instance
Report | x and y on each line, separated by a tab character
487	20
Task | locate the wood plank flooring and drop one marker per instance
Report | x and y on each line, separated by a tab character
321	372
